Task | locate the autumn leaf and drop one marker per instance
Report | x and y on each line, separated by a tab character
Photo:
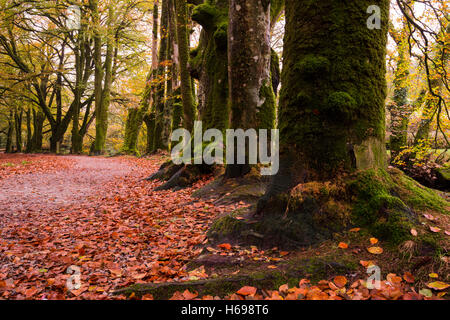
438	285
343	245
189	295
340	281
247	291
435	230
373	240
225	246
375	250
433	275
408	277
414	232
355	230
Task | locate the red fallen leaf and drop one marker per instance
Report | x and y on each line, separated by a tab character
435	230
30	292
284	288
408	277
225	246
189	295
284	253
343	245
447	232
247	291
340	281
411	296
355	230
148	297
373	240
429	217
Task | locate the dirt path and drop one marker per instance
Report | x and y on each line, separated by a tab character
44	191
97	214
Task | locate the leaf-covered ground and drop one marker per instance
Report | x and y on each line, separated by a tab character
100	215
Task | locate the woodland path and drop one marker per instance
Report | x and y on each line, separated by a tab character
97	214
44	191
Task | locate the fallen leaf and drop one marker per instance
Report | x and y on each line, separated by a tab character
435	230
375	250
340	281
247	291
408	277
225	246
414	232
343	245
373	240
438	285
189	295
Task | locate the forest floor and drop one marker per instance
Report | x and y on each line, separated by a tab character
99	216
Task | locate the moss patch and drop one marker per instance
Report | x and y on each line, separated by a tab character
385	204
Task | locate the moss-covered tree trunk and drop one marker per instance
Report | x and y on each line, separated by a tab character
189	108
332	113
135	116
401	109
102	74
209	64
161	138
251	94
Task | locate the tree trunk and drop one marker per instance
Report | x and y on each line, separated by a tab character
9	135
251	94
186	84
161	140
38	122
102	91
209	64
401	110
136	116
18	116
332	113
29	144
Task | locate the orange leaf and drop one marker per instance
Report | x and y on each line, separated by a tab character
373	240
340	281
284	288
408	277
375	250
343	245
225	246
355	230
247	291
189	295
414	232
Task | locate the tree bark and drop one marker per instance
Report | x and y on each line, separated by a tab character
251	94
189	108
332	112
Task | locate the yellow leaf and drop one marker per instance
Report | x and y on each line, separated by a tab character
438	285
375	250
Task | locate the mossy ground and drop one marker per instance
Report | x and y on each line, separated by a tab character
387	204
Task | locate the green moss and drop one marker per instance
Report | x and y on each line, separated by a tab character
416	195
313	66
378	209
268	110
329	49
206	15
342	106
